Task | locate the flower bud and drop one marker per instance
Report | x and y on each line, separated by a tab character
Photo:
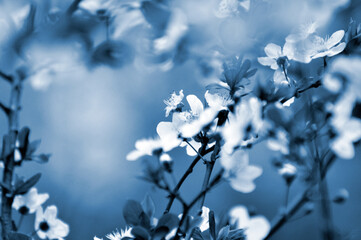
288	172
341	196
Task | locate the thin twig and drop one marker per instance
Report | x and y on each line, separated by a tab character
298	203
9	165
6	77
188	207
185	175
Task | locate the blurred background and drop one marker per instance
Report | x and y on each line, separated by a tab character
89	108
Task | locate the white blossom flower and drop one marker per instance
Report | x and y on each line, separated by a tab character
126	233
96	238
194	127
277	60
174	102
311	46
348	128
328	46
256	227
238	171
186	125
274	55
29	202
47	225
217	102
243	125
200	117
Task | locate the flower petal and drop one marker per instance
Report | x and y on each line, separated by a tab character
59	229
50	213
273	51
242	185
335	38
134	155
343	148
195	104
336	50
258	228
266	61
239	215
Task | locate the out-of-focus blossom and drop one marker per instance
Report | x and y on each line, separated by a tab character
147	147
344	73
176	29
306	48
243	125
256	227
303	32
347	127
47	225
112	53
29	202
174	102
229	8
341	196
96	238
279	142
288	172
238	172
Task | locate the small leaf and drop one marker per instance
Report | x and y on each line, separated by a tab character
212	225
237	234
156	15
250	73
41	158
5	186
140	233
18	236
148	206
23	137
223	233
24	188
32	147
165	224
134	214
169	220
197	234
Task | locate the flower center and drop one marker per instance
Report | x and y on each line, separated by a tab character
44	226
24	210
